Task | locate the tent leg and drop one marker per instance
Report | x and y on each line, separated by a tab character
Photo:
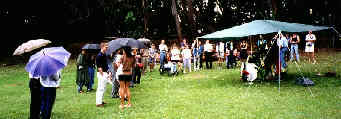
279	69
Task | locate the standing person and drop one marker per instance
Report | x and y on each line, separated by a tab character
196	58
309	46
221	54
151	55
115	83
282	43
127	64
91	69
243	55
102	74
163	50
201	54
145	55
227	54
35	91
208	49
82	72
48	91
187	57
137	69
183	44
294	41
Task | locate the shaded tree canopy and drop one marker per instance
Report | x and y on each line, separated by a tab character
72	21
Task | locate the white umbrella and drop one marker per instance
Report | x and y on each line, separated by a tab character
31	45
145	40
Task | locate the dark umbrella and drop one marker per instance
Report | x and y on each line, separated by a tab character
91	47
123	42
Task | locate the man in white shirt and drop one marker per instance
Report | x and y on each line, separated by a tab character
309	46
208	49
35	91
163	50
49	84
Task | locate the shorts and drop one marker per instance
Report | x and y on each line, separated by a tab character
176	61
243	54
309	48
221	55
126	78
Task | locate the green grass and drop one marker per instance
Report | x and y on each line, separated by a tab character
207	94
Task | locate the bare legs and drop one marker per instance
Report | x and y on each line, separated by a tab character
124	91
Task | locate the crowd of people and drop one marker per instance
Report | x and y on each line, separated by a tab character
123	68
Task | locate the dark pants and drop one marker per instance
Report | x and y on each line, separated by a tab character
162	59
201	59
35	98
91	76
208	60
48	98
115	87
137	75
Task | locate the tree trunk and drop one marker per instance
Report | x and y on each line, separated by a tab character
178	27
190	17
145	19
274	8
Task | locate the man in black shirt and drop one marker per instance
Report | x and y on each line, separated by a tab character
102	74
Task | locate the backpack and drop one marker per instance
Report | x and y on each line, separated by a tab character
304	82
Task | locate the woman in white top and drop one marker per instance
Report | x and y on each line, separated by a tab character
187	56
220	50
309	48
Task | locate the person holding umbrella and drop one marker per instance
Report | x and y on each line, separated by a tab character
35	91
82	72
48	90
102	74
127	64
47	65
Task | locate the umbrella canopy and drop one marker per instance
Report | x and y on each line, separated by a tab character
123	42
31	45
145	40
261	27
91	47
47	61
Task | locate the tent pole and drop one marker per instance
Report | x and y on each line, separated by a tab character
279	68
251	43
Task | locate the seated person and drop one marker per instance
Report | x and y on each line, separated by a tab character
171	67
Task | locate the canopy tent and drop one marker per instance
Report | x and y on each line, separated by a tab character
260	27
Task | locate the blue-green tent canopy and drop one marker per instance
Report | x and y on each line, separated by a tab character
261	27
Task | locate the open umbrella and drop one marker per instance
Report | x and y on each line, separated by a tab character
145	40
47	61
91	47
123	42
31	45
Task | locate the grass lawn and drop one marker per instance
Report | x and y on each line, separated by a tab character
207	94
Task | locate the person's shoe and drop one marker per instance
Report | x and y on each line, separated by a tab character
104	103
115	96
121	106
127	105
80	92
100	105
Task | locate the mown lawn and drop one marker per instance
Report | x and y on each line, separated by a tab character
207	94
